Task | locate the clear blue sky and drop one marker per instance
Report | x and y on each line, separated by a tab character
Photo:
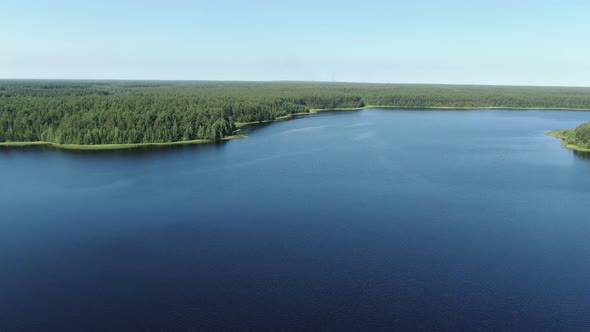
520	42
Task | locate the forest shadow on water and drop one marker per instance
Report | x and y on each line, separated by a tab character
582	155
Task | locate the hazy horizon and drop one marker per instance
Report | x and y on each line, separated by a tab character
281	81
459	42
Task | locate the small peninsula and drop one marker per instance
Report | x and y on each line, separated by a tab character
575	139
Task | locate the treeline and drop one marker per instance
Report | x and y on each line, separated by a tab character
106	112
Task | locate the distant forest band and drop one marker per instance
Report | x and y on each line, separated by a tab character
111	112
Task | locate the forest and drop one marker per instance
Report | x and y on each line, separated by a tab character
124	112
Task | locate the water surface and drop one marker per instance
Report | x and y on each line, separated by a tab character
367	220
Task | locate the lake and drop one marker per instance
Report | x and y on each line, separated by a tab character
363	220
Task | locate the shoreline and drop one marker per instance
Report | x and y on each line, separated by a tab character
240	125
116	146
318	110
449	108
560	134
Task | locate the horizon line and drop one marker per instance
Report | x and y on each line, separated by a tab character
285	81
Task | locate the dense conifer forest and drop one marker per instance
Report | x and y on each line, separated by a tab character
120	112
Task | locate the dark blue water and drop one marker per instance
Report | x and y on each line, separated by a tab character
370	220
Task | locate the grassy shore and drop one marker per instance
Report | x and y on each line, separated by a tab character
280	118
115	146
295	115
563	135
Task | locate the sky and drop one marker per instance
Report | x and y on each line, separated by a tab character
517	42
